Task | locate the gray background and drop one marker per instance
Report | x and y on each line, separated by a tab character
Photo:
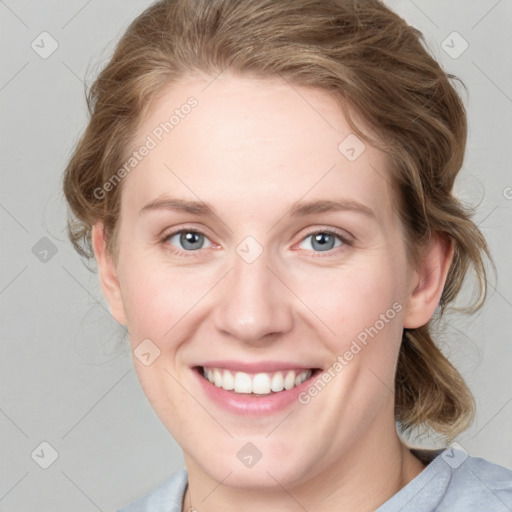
66	370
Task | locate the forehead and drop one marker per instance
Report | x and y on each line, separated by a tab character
252	141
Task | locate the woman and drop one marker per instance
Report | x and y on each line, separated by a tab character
266	189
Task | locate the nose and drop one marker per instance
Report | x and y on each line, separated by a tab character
255	305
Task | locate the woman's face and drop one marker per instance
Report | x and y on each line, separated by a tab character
297	263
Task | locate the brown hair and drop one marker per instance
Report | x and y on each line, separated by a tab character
365	56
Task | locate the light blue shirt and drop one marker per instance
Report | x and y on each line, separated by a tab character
451	482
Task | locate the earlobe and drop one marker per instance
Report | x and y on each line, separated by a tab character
429	280
108	274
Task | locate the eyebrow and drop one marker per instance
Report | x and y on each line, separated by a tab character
298	209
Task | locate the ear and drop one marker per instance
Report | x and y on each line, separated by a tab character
428	281
107	273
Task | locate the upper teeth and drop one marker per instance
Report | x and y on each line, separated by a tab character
260	383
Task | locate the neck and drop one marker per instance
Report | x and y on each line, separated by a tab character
363	478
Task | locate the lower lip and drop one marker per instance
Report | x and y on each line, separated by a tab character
258	405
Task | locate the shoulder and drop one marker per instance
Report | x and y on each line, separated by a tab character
167	497
454	481
476	484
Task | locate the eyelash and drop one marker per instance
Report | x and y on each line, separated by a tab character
317	254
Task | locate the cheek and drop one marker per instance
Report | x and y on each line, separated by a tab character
160	300
152	309
157	301
358	302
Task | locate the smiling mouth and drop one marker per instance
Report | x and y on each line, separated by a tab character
261	384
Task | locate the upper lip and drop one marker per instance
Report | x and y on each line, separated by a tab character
255	367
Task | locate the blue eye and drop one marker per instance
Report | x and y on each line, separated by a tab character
324	241
187	241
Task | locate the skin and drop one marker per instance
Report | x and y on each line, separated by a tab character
251	148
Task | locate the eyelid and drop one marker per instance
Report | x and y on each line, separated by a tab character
163	238
343	236
346	239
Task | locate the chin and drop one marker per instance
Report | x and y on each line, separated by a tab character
246	471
